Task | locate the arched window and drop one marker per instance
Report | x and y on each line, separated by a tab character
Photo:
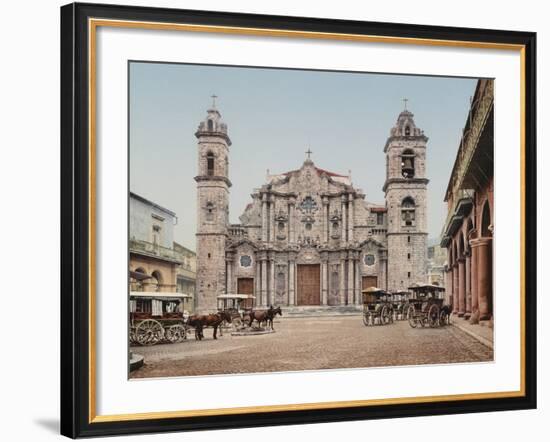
210	164
407	130
408	208
209	211
210	125
407	163
486	220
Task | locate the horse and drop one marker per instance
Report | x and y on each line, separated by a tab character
445	315
260	316
271	313
213	320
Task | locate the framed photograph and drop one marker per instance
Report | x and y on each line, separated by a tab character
274	220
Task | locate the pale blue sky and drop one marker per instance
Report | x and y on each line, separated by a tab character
273	116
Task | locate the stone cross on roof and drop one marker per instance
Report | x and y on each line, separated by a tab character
309	152
405	101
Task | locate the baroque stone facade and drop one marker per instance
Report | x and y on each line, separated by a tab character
309	237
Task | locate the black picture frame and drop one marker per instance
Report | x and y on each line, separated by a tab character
75	221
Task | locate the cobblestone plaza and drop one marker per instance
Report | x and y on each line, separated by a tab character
313	343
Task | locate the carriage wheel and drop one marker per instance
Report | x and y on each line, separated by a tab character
175	333
132	335
433	316
443	318
410	316
149	332
385	315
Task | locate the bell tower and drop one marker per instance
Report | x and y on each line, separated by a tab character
212	207
406	201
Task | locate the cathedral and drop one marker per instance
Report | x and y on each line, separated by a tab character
309	237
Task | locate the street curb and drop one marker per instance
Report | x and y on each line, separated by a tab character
481	339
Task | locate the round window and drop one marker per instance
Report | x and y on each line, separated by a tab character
246	261
369	259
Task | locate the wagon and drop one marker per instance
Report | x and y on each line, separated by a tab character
377	307
426	306
157	317
400	301
238	306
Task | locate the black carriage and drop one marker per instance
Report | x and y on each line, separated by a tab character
377	307
426	306
157	317
400	302
238	306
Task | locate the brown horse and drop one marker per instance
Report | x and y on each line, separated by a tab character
266	316
258	315
271	313
213	320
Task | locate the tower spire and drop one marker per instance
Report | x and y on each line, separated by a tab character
405	102
213	96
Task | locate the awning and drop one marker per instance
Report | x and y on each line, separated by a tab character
160	295
427	287
235	296
139	276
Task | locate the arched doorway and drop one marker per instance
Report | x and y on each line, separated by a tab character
486	220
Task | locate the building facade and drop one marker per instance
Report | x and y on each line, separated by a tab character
437	260
309	237
153	262
186	272
468	233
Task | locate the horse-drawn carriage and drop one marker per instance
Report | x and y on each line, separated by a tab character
426	306
238	306
157	317
377	307
241	310
400	302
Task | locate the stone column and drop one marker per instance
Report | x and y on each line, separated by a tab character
264	217
342	276
448	285
474	273
468	274
485	277
324	280
272	221
358	281
271	296
229	275
291	222
344	224
455	288
258	282
326	223
264	281
351	217
383	267
351	285
461	288
291	278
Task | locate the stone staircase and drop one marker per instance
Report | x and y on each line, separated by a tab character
321	310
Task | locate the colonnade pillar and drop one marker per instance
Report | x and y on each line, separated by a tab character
461	287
